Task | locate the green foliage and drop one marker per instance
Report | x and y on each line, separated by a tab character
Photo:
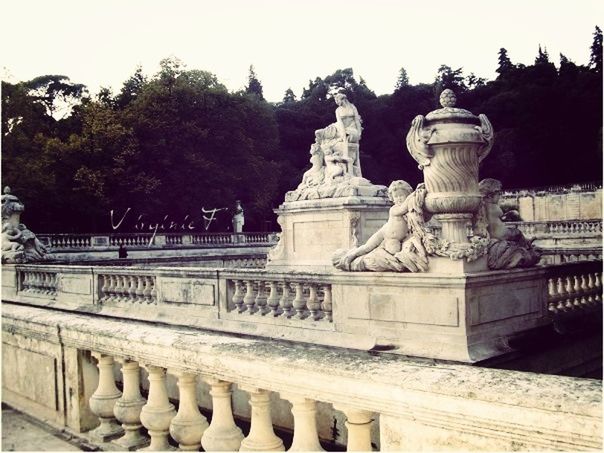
177	141
595	58
403	79
254	87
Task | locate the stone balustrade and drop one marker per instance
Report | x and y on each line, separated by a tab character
564	228
39	283
289	298
435	315
578	291
129	288
61	242
372	402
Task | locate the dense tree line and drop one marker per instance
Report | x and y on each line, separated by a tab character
168	145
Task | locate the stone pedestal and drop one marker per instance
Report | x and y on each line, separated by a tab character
313	229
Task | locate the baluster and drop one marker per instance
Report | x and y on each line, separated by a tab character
261	436
188	425
598	287
569	292
561	294
314	304
153	294
273	299
249	298
158	412
584	290
285	302
25	282
590	289
132	288
576	290
140	281
222	434
299	302
104	287
306	437
147	283
552	294
238	296
358	422
36	282
122	287
127	409
103	399
261	301
326	305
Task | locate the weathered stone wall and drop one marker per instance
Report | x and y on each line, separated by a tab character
557	203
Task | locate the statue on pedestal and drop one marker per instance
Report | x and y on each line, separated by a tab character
238	218
19	245
448	144
336	167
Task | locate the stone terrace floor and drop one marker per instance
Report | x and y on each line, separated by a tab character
20	432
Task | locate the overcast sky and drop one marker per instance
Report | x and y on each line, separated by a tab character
100	43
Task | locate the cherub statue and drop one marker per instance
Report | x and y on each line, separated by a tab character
18	243
508	248
398	245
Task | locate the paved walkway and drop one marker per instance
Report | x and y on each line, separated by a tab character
22	433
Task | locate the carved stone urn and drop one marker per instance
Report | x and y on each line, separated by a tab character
449	144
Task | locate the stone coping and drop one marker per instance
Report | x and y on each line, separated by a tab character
554	412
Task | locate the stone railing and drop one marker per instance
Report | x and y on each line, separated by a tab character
60	242
563	228
433	315
582	187
578	291
324	396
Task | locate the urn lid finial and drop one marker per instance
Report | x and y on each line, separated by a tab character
448	98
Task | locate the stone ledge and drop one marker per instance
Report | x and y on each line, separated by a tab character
529	410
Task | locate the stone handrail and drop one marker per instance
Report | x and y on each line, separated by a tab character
420	405
416	314
60	242
564	228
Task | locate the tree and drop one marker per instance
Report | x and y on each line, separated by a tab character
289	96
254	87
403	79
595	58
57	93
505	64
542	56
131	88
449	78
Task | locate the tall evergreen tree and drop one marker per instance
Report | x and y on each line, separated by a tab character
542	56
505	64
254	86
595	58
403	79
289	96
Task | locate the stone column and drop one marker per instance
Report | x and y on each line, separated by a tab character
223	434
103	399
306	437
358	423
128	408
188	425
261	436
158	412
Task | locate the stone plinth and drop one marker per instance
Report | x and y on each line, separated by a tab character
312	230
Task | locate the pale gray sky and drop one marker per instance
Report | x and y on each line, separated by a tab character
100	42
